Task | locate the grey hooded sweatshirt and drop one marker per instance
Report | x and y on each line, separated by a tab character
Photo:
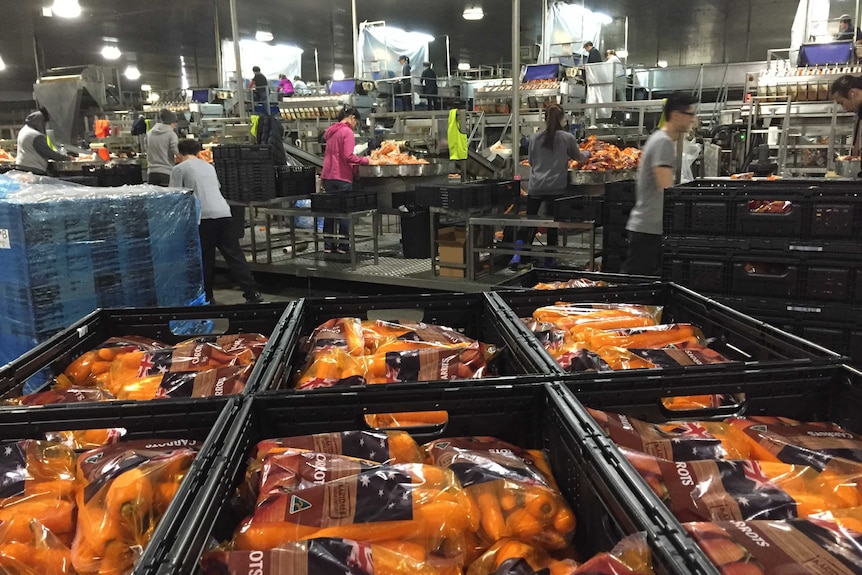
33	149
161	149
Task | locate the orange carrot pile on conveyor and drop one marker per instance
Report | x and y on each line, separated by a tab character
347	351
134	368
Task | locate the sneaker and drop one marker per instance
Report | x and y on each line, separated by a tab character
343	250
515	262
254	298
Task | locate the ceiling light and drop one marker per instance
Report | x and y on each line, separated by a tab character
473	13
132	73
153	97
66	8
111	52
2	65
463	66
263	36
662	63
603	18
146	88
338	74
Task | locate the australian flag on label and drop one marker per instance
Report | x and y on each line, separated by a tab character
365	445
155	362
339	557
13	469
383	495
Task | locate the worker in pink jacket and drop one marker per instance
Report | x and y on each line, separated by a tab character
337	174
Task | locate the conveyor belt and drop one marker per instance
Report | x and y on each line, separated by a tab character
306	158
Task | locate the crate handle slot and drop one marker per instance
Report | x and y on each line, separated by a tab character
773	208
706	412
430	423
764	270
199	327
396	315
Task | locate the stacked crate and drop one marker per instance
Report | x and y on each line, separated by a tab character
787	252
247	173
619	201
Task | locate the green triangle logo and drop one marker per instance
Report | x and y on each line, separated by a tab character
443	445
298	504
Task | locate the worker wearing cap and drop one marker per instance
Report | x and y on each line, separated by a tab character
429	86
845	28
34	152
162	149
406	83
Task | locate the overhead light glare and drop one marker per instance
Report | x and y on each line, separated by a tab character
146	88
111	52
473	13
2	65
623	53
132	73
464	66
338	74
603	18
263	36
662	63
66	8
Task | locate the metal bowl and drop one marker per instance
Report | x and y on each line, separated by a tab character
848	168
591	178
403	170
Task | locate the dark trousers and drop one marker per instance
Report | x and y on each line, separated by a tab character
534	206
336	226
217	234
158	179
644	257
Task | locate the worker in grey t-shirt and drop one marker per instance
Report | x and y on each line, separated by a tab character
656	173
162	148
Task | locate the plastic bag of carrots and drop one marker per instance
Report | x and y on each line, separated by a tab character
512	490
81	439
38	483
801	547
52	396
570	284
90	369
675	440
407	419
412	503
124	491
331	556
700	402
28	548
744	489
576	317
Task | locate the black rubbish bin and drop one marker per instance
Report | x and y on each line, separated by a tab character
416	234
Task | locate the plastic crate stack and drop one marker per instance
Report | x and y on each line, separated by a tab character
295	181
619	201
246	173
67	250
787	252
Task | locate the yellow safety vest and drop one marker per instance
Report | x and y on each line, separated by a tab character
254	120
457	139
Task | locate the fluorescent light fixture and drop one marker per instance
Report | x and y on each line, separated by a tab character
473	13
66	8
338	74
603	18
2	65
153	97
623	53
111	52
132	73
662	63
146	88
263	36
464	66
47	12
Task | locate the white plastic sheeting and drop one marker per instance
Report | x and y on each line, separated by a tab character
273	59
809	23
601	84
380	46
568	27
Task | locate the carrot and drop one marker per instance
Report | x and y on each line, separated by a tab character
508	501
117	558
130	496
564	521
107	353
492	517
523	524
404	548
474	514
540	503
258	536
403	448
55	514
165	493
56	489
512	549
553	540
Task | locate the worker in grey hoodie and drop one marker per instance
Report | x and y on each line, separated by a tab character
34	152
162	148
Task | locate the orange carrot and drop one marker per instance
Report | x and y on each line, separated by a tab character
523	524
540	503
492	517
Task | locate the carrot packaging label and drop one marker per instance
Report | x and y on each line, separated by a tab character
370	445
13	468
381	494
681	354
477	460
317	557
297	470
210	383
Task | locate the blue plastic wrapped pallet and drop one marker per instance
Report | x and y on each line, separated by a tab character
67	250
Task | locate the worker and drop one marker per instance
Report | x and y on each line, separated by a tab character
299	86
655	174
406	83
337	174
845	28
429	86
259	85
285	86
162	151
593	55
34	151
619	75
847	93
549	153
214	226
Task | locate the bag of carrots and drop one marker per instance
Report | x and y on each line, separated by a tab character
331	556
511	490
576	317
124	489
56	395
798	546
91	368
407	419
699	402
342	333
674	440
744	489
571	284
412	503
81	439
28	548
648	337
37	482
513	557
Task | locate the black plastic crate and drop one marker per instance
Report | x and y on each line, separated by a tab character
225	152
250	153
579	209
613	262
536	275
168	325
344	202
623	191
805	394
476	315
822	210
531	416
751	343
456	196
295	181
786	247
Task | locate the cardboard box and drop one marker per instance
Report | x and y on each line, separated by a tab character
452	272
452	246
